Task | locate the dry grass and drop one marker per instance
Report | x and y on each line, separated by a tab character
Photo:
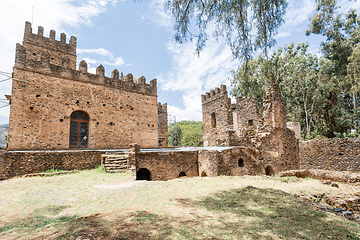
93	204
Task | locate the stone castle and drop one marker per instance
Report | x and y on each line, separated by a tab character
273	145
56	106
66	118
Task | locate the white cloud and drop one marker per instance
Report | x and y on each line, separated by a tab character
99	51
95	57
346	5
61	15
193	75
159	16
298	12
282	35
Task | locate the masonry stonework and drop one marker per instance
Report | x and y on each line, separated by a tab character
331	154
48	93
163	125
24	162
275	147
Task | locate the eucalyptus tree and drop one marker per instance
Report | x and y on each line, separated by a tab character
353	75
297	73
248	25
342	32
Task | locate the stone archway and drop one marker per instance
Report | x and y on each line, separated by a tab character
143	174
203	174
182	174
269	171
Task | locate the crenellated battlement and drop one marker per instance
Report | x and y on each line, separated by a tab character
214	94
50	42
58	58
37	46
162	108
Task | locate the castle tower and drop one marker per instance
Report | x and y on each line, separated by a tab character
40	48
163	125
56	106
274	111
217	117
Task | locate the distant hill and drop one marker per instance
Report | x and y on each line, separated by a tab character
190	133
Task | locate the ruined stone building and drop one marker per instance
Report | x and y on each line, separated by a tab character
56	106
83	120
268	146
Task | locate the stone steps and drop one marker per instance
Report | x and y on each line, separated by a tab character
115	163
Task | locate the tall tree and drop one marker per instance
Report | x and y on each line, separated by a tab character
175	135
353	75
342	32
297	73
247	24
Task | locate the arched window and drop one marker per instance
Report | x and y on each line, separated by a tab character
213	120
241	162
79	130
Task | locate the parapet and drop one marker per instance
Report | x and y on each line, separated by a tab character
214	94
37	55
162	108
49	43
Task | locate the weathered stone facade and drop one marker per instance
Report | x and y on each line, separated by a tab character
24	162
239	124
55	106
163	125
331	154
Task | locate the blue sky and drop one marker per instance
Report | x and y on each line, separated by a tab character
137	37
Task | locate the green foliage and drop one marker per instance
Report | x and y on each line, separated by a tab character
188	133
297	73
175	135
342	32
322	94
247	24
100	169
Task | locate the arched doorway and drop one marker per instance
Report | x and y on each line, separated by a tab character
203	174
143	174
269	171
241	162
79	130
182	174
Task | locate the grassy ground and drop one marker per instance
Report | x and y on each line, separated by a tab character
95	205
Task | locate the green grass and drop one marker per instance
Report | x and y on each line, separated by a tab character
54	171
113	206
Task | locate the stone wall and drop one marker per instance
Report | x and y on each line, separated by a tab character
47	89
168	165
295	126
217	119
234	161
20	163
331	154
163	125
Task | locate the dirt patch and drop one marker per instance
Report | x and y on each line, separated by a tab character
120	185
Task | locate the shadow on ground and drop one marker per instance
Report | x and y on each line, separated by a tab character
247	213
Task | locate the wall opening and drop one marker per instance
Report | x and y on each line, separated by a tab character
213	120
143	174
79	130
251	122
182	174
203	174
269	171
241	162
